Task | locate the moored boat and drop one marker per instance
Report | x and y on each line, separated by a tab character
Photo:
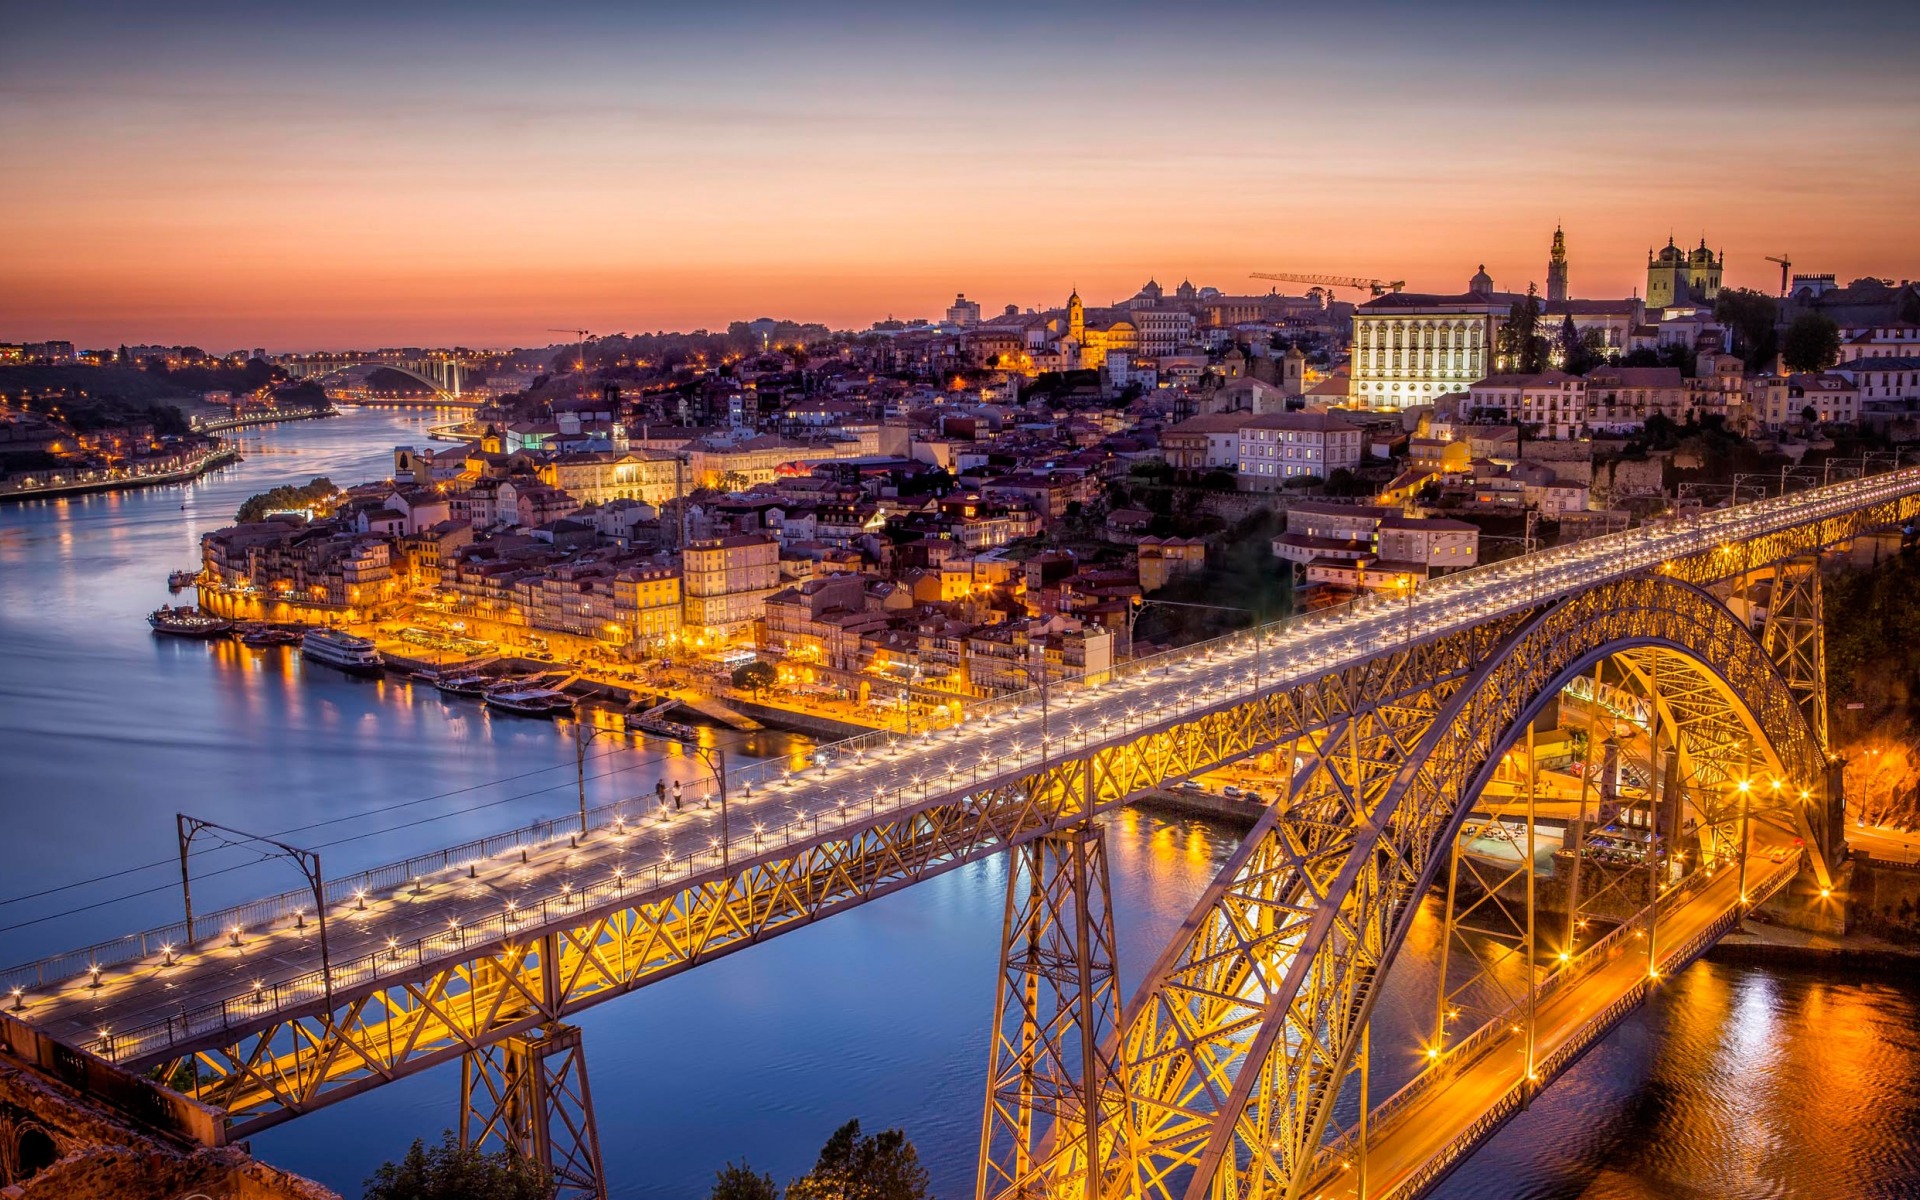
530	701
187	621
652	722
268	636
179	580
465	684
332	648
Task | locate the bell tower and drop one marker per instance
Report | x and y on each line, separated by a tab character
1557	267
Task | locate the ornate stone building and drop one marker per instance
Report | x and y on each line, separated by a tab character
1676	276
1410	348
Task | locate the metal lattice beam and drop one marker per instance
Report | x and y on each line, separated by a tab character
1795	636
1232	1055
1050	1071
529	1097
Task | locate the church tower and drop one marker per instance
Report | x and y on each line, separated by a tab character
1557	267
1667	282
1076	318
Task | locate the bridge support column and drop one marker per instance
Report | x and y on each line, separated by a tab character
1054	1022
529	1096
1795	640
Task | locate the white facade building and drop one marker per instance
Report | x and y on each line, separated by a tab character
1280	446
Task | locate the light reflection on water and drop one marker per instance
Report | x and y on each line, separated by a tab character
1738	1082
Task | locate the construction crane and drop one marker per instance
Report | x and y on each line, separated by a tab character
581	336
1786	268
1379	287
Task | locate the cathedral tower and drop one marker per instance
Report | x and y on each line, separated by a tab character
1557	267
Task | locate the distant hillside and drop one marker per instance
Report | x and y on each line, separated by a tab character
109	383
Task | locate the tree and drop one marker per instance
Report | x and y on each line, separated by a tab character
740	1183
1752	316
1342	482
1809	414
1581	350
1519	343
451	1171
755	677
882	1166
1812	343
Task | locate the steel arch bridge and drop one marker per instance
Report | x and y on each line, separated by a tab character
1395	725
1230	1058
445	373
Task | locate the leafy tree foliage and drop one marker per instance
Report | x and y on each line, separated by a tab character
450	1171
880	1166
1752	316
1812	342
316	491
1581	350
740	1183
755	676
1521	346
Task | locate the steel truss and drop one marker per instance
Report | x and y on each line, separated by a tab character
529	1097
1236	1046
1795	636
1050	1071
1364	734
286	1062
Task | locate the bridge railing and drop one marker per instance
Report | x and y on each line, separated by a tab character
408	956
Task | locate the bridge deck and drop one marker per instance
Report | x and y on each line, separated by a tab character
1427	1129
876	776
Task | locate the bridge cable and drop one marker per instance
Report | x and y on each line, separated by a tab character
168	862
167	887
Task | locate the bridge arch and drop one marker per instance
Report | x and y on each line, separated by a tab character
1235	1048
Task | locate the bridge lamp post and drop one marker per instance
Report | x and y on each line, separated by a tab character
715	759
583	736
1139	604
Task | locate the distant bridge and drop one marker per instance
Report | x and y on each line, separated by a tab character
1402	734
443	371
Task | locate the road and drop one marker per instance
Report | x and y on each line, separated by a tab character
848	785
1447	1119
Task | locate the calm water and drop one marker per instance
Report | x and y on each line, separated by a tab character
1737	1083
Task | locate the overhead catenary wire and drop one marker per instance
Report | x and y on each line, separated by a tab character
174	860
167	887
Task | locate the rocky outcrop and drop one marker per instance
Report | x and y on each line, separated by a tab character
56	1144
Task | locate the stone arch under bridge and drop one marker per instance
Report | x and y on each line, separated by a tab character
1233	1051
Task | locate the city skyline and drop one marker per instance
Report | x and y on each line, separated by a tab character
478	176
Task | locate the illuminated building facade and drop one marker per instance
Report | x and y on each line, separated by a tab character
1410	348
1676	276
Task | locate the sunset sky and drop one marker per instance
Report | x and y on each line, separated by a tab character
302	176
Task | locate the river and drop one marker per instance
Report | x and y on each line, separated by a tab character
1737	1082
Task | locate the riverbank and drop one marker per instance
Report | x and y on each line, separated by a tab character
1775	945
221	424
108	481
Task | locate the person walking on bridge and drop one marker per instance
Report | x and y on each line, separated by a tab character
660	790
676	795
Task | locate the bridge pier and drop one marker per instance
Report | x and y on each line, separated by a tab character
528	1095
1051	1063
